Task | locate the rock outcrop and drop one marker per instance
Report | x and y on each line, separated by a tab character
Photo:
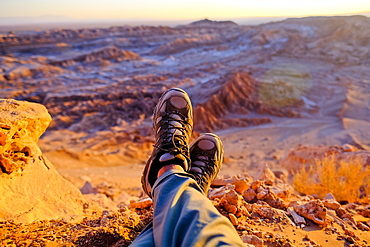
238	94
21	125
104	54
31	187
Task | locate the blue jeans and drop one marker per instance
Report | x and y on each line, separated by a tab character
183	216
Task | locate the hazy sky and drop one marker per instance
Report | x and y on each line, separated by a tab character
173	9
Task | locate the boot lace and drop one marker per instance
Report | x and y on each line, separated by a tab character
172	135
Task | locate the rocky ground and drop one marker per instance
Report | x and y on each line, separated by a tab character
279	94
264	210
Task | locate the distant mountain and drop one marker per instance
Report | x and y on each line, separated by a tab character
366	13
206	22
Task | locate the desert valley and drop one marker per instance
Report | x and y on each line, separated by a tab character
282	96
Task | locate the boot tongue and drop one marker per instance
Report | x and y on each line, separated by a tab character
178	159
166	157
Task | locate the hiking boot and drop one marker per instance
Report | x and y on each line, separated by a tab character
173	125
206	154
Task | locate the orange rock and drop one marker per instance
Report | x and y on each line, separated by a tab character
217	193
298	220
264	173
232	202
267	212
252	240
340	212
363	226
241	185
142	203
257	185
249	195
2	139
31	187
233	219
331	204
218	182
21	125
229	207
313	210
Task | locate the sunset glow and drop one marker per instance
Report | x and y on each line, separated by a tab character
166	9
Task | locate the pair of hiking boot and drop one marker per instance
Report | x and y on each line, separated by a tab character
173	125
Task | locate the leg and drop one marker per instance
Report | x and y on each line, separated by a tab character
183	216
177	179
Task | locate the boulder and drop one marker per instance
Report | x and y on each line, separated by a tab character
21	125
31	187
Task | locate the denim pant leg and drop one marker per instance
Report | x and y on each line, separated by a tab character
183	216
145	238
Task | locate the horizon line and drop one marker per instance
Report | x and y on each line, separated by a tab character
72	23
68	18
